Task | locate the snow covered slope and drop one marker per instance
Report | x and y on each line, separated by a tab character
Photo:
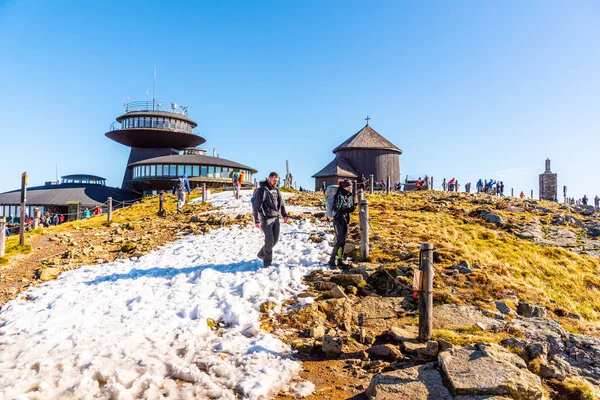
138	329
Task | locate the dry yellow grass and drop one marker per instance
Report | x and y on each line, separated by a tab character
561	280
146	208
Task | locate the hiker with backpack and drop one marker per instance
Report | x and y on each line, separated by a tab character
340	205
236	184
267	206
181	186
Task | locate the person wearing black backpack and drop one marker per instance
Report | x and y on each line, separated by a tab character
343	205
267	206
181	186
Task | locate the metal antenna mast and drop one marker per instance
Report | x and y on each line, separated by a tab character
154	92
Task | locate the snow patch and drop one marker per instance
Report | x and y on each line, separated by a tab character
133	329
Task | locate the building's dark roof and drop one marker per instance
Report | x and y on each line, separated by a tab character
338	167
83	176
193	159
59	195
155	138
367	138
151	113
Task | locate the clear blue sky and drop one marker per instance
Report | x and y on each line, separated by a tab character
465	88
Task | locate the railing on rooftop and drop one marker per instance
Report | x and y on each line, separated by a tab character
155	105
154	124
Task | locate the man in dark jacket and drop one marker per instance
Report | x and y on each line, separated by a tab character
268	205
343	205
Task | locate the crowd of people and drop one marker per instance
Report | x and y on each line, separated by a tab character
583	201
492	187
47	219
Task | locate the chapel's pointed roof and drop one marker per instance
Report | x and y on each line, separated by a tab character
367	138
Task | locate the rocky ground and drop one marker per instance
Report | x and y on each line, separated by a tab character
359	337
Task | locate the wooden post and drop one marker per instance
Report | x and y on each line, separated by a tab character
426	293
371	178
532	193
363	216
109	209
444	185
389	184
161	200
36	219
23	203
324	186
354	187
431	187
456	186
512	192
204	192
361	195
2	236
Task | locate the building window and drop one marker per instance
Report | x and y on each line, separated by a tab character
179	170
217	172
173	170
211	171
196	170
188	170
203	170
153	170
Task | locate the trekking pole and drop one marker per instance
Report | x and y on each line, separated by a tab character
426	292
110	209
2	235
364	229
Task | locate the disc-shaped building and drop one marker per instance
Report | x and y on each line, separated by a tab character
163	147
365	153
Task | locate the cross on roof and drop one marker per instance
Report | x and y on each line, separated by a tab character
367	119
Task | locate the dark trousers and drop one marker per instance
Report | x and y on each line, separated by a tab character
270	228
341	233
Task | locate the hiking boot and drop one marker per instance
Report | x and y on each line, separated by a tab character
342	264
260	255
331	263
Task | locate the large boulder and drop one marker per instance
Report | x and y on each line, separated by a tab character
567	354
494	219
489	369
345	280
332	346
452	316
594	230
423	382
531	311
49	273
379	313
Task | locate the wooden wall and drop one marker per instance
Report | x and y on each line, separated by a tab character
380	163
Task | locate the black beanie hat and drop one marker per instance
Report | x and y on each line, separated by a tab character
345	184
